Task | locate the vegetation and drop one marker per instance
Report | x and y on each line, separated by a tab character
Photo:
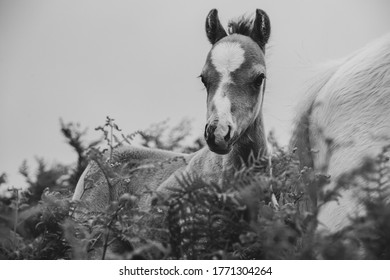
263	211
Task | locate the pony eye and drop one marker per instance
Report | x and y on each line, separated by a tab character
259	80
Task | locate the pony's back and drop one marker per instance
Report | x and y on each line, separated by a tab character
345	119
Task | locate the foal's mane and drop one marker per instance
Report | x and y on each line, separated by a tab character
242	25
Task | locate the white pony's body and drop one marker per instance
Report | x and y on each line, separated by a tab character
344	119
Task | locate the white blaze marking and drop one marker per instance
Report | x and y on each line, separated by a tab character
226	58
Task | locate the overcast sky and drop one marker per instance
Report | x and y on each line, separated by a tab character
137	61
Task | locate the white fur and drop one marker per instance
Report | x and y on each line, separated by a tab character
352	108
226	57
80	185
223	108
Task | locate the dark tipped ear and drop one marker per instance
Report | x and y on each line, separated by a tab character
214	29
261	29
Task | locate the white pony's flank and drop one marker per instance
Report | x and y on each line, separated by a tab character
344	119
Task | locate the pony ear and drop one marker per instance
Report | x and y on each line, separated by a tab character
214	29
261	29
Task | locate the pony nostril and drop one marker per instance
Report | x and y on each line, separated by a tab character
227	136
209	132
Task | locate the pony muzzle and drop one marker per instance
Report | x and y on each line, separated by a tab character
218	137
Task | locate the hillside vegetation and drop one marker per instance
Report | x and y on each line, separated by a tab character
262	211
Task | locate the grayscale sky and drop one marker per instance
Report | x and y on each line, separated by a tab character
137	61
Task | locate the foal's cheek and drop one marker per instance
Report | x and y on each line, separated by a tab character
243	119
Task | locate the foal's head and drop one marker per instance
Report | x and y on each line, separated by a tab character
234	76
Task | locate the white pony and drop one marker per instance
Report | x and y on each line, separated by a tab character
344	119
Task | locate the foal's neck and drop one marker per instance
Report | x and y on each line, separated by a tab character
252	143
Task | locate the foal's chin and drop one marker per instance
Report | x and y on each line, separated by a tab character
219	150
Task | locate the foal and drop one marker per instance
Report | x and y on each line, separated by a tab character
234	77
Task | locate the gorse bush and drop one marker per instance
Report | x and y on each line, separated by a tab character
262	211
